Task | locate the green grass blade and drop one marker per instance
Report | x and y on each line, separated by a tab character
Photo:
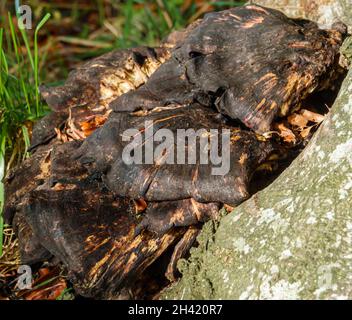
4	62
1	63
2	195
22	84
36	61
26	42
13	38
28	49
26	140
44	283
66	295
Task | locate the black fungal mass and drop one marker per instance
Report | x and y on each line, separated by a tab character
118	228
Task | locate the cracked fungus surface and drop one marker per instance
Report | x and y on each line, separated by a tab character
292	240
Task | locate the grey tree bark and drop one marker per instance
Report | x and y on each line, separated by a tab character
293	240
325	12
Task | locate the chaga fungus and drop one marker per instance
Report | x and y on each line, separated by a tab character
252	63
164	180
116	225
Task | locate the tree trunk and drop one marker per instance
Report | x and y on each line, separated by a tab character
324	12
293	240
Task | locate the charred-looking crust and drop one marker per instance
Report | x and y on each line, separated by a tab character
160	217
108	221
31	249
92	234
255	63
96	234
82	103
162	180
80	209
99	81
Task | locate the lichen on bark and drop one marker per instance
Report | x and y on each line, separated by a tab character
324	12
293	240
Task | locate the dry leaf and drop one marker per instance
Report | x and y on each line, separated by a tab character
228	208
49	292
298	121
286	134
48	286
58	132
304	133
312	116
140	205
89	126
